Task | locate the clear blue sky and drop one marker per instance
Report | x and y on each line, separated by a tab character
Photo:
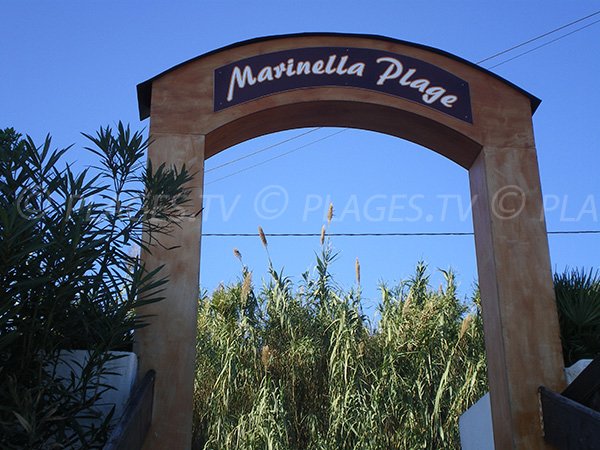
71	66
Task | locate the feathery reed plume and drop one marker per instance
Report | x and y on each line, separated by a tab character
246	286
406	305
262	236
357	267
464	326
237	254
323	235
265	356
330	214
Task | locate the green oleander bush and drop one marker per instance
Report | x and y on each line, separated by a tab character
68	279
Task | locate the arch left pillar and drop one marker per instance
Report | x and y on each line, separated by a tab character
173	319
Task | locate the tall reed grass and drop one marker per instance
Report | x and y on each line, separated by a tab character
302	367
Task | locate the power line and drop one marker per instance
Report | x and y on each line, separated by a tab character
545	44
263	149
538	37
276	157
433	233
575	232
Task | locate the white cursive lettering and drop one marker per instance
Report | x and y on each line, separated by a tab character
394	71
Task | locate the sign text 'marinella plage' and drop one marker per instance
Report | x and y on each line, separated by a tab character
376	70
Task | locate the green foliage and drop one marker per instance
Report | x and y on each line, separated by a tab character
68	277
578	301
277	368
304	369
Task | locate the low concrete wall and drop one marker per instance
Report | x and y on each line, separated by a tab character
121	374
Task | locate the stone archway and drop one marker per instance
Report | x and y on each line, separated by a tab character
421	94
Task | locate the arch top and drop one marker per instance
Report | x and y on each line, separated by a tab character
269	84
144	89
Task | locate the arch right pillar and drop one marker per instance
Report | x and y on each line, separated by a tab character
515	280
